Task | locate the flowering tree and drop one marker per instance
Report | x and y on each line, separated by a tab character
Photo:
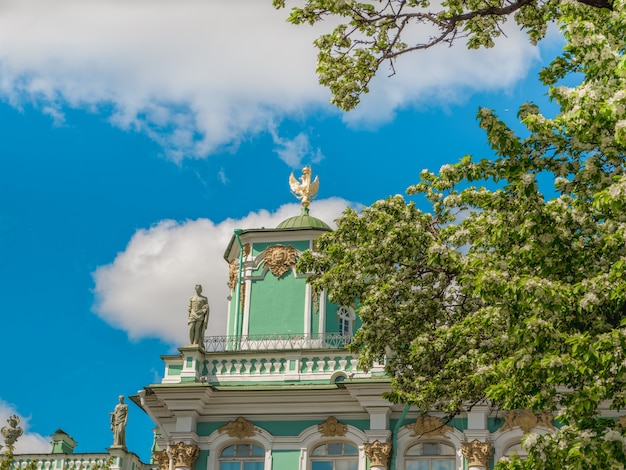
512	287
371	33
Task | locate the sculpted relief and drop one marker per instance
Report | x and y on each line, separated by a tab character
280	258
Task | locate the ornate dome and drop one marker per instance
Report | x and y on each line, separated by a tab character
303	220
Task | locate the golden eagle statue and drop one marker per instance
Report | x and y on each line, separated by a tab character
304	190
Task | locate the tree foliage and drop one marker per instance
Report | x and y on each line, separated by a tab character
6	460
511	288
371	33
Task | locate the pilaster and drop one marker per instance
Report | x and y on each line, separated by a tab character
477	424
379	417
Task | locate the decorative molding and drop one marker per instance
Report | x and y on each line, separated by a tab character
429	426
526	420
184	455
280	259
378	453
238	428
162	459
477	453
331	428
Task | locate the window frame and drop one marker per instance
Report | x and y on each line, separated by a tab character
430	457
242	459
345	316
355	457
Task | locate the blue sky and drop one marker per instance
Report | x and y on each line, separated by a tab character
135	136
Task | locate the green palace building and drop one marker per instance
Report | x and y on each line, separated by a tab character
281	392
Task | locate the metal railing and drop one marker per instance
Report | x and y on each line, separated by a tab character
275	342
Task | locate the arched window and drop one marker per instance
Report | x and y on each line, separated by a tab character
242	457
335	456
516	449
346	317
430	456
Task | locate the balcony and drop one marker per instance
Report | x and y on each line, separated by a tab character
269	359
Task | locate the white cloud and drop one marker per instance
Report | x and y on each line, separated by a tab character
29	442
294	151
198	75
145	290
445	75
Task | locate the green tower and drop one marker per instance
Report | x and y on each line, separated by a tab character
270	301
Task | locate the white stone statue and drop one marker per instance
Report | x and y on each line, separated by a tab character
119	417
198	316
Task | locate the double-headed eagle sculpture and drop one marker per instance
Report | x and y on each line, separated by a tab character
304	190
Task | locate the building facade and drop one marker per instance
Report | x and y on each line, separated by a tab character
281	392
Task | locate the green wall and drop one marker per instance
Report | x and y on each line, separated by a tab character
201	461
281	428
277	305
285	459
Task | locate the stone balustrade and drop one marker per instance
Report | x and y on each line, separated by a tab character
86	461
267	366
61	461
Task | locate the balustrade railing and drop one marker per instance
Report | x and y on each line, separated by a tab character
276	342
60	461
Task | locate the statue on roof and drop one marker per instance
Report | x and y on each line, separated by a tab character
119	417
198	317
305	189
12	431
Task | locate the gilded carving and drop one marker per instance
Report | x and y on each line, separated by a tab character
162	459
378	453
315	293
526	420
544	420
233	268
477	453
280	258
232	282
305	189
184	455
233	274
242	299
331	427
428	426
238	428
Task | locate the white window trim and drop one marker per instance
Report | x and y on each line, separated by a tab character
407	439
219	441
350	317
311	438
